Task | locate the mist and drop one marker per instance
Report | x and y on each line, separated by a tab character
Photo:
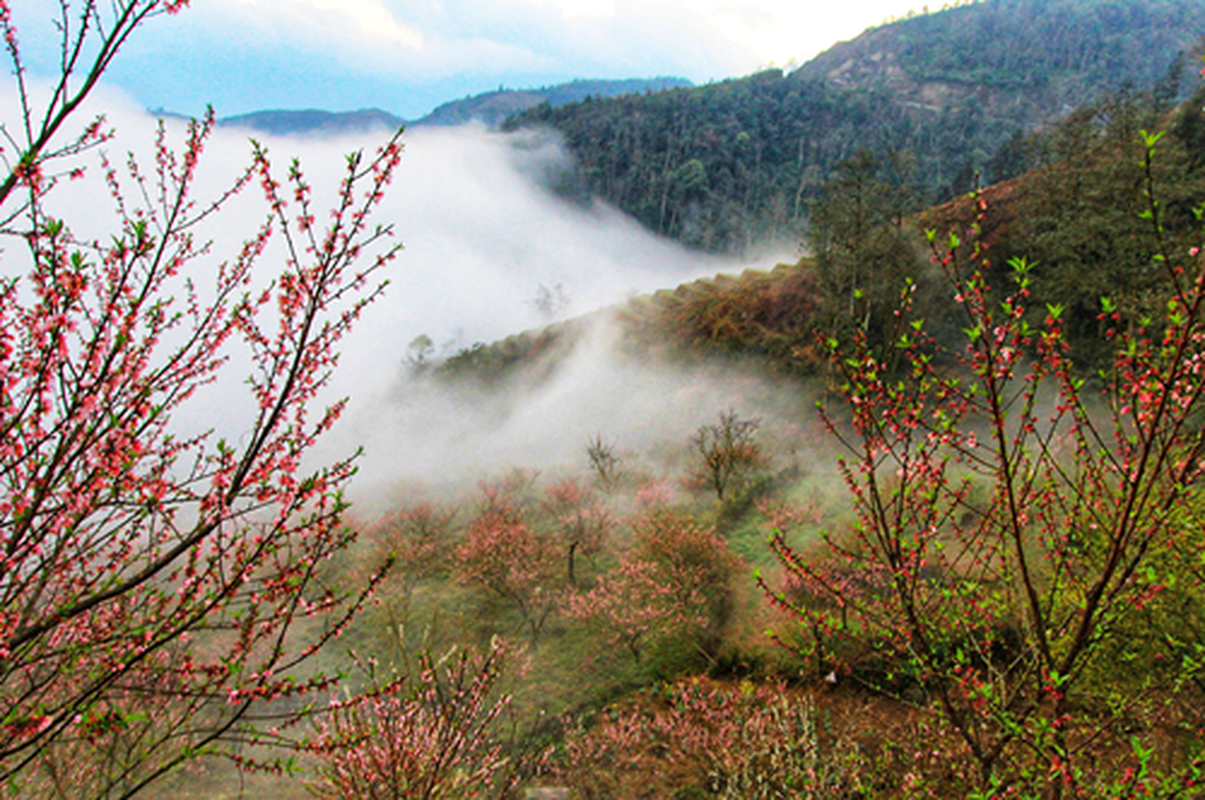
484	240
484	237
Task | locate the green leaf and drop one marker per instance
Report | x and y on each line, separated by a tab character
1149	140
1021	265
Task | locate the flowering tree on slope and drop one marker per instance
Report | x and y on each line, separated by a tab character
1017	524
160	592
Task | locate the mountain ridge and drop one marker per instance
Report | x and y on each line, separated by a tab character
724	166
488	108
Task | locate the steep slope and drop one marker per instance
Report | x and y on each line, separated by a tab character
1077	218
724	165
1025	60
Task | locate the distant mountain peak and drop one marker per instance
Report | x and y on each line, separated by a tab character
489	108
313	122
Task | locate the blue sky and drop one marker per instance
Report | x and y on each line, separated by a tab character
407	56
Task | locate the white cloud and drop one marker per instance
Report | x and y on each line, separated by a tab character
407	56
372	19
367	22
700	39
585	8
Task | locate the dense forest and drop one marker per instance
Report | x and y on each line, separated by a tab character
1075	211
944	95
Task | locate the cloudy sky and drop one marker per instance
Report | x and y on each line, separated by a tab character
407	56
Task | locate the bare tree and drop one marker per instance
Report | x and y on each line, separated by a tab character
727	451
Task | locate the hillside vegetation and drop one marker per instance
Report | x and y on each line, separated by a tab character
1076	215
722	166
921	515
492	108
903	660
997	591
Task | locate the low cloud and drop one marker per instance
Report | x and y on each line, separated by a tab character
484	241
435	435
483	237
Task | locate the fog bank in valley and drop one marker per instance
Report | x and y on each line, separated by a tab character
484	240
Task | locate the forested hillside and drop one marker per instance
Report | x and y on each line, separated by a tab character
1021	59
1013	381
492	108
1076	214
942	96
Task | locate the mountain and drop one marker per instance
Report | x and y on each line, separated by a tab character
1024	60
936	98
490	108
312	122
494	107
1078	217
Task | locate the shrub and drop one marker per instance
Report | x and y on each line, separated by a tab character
1014	521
